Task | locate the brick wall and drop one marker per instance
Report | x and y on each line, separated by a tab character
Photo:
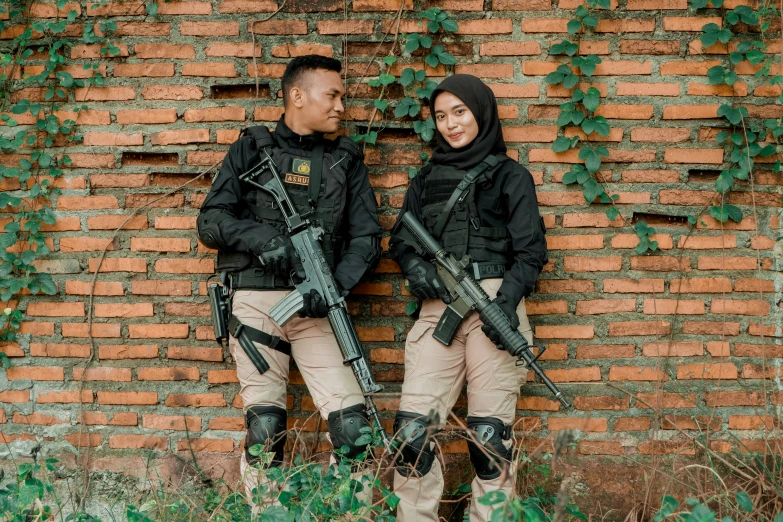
637	341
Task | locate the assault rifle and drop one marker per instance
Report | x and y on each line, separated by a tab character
318	276
468	295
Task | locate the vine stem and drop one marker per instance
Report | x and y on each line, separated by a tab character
253	37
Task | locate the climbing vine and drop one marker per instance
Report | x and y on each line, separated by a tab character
34	63
415	83
745	140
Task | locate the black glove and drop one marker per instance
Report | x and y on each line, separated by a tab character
510	309
279	257
314	305
423	279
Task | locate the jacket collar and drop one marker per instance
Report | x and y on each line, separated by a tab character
287	138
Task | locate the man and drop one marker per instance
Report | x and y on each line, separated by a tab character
327	180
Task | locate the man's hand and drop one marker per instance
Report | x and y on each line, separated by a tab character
423	280
279	257
314	305
510	309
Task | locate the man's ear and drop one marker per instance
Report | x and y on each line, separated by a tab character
296	95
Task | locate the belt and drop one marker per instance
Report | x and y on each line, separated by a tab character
258	279
486	270
236	329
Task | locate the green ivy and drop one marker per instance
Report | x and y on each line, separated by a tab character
22	240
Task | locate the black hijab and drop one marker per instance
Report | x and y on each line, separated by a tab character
482	103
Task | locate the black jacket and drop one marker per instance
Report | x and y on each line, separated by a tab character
227	224
509	200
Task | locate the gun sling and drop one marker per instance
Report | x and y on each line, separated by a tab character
236	329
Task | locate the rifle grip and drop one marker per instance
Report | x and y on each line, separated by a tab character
447	326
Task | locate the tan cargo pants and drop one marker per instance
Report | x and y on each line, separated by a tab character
434	376
314	348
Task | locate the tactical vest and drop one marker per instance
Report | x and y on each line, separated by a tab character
478	230
294	166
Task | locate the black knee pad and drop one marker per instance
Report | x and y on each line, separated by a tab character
345	429
489	432
416	450
266	425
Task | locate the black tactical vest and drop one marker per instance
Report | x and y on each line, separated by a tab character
294	166
477	226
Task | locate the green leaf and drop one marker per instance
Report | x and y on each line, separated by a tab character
411	308
420	75
406	78
592	99
724	182
701	513
590	21
561	144
698	4
274	514
447	58
389	60
433	26
744	501
554	78
412	43
779	518
426	41
381	104
152	8
386	79
612	213
5	361
569	177
450	26
573	26
432	60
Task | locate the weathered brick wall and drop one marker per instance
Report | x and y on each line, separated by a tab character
680	330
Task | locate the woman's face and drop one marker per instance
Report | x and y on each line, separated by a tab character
454	120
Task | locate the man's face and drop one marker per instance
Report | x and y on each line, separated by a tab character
321	101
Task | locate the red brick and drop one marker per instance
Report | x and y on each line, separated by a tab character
673	307
629	286
625	25
211	69
708	243
690	112
18	396
673	349
632	424
119	265
660	399
202	28
195	354
753	285
702	285
602	402
161	50
650	47
592	264
753	422
564	332
575	242
155	331
181	400
102	374
632	328
160	244
636	373
166	422
59	350
144	70
63	397
712	156
148	116
127	398
608	351
35	373
689	23
122	351
177	373
185	8
85	244
727	263
214	114
497	70
37	419
278	27
491	26
185	266
757	350
180	137
605	306
736	307
710	328
138	442
555	286
203	444
588	374
49	309
172	92
114	221
734	398
510	48
168	287
123	310
82	440
707	371
663	135
101	288
581	424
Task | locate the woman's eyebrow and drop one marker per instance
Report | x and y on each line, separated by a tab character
457	106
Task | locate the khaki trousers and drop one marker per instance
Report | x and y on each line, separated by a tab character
314	348
434	376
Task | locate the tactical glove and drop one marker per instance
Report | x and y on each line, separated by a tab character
279	257
510	309
423	279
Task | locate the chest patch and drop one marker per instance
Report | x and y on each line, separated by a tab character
300	174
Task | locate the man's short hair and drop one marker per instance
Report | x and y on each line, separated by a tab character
298	68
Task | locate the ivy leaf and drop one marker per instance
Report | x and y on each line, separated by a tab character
697	4
152	8
433	26
420	75
561	144
371	137
274	514
411	308
412	43
724	182
569	178
590	21
406	78
432	60
574	26
381	105
592	99
592	161
612	213
386	79
450	26
592	190
426	41
447	58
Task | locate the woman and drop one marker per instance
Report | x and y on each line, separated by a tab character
495	222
